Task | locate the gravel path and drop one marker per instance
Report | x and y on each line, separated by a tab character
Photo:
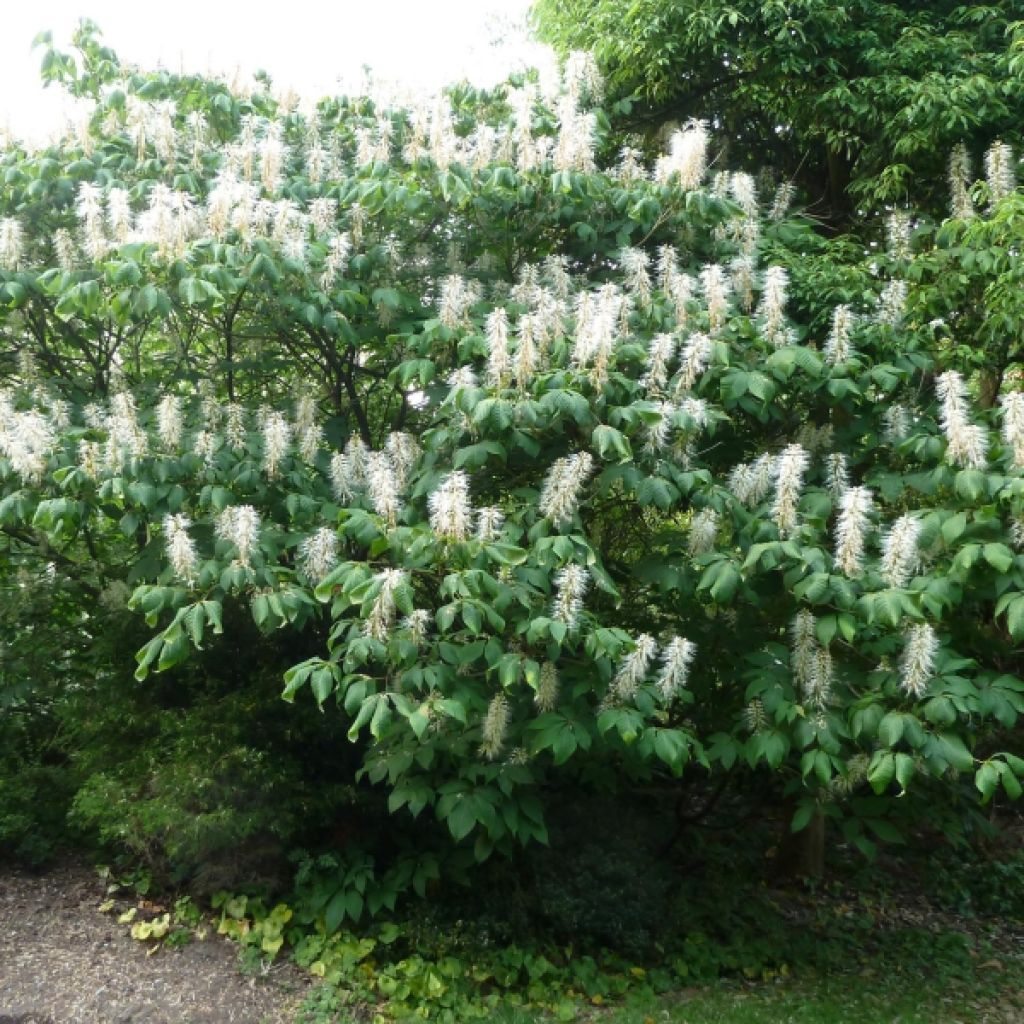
64	962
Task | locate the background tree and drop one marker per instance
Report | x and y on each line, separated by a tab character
859	104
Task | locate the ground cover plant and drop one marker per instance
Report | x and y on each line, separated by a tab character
553	485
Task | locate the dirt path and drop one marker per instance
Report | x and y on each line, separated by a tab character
64	962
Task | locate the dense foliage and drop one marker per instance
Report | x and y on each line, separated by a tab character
860	103
493	442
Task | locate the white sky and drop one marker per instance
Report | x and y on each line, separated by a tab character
308	45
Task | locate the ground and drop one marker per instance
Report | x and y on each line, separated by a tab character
66	959
62	961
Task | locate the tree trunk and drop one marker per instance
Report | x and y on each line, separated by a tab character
811	862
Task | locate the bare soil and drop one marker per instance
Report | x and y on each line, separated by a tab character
62	961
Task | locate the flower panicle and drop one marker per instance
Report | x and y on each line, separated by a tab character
181	549
571	584
560	494
451	516
318	554
634	667
900	556
917	664
854	520
677	656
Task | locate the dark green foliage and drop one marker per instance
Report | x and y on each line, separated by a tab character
605	881
859	102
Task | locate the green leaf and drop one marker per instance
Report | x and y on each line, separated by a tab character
611	443
999	556
890	730
881	771
954	527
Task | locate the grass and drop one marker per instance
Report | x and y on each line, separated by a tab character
844	1000
995	995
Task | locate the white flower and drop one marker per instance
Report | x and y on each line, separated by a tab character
851	528
744	191
560	495
667	265
272	152
64	249
658	431
900	558
771	310
789	473
403	452
382	614
892	304
897	423
1013	425
999	172
489	521
676	659
634	667
546	697
495	727
451	516
234	428
169	424
837	473
658	357
416	624
694	360
687	158
27	439
462	378
527	351
837	347
383	487
965	443
310	440
741	273
751	483
917	665
348	470
715	286
89	206
498	365
571	583
598	315
305	413
582	77
818	688
277	436
318	554
897	231
703	531
338	250
680	289
11	244
961	205
205	445
805	646
457	296
181	549
90	458
119	214
635	264
240	525
784	196
574	147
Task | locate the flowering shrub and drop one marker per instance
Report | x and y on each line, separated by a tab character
569	475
